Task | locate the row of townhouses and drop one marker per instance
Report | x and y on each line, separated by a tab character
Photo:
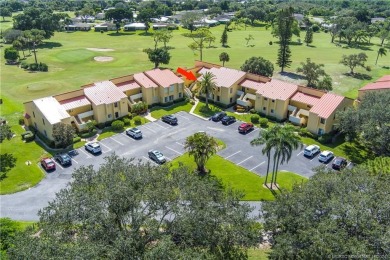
108	100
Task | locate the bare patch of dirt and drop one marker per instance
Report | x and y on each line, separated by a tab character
100	49
103	58
275	186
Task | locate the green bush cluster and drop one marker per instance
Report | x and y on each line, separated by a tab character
137	120
47	141
255	119
139	108
263	122
76	139
117	125
34	66
126	121
87	134
325	138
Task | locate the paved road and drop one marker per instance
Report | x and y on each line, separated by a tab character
156	135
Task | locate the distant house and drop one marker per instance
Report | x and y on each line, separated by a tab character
78	27
300	18
223	19
100	16
105	27
134	27
168	26
377	19
382	84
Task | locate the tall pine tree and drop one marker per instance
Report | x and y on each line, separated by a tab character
224	37
309	36
285	21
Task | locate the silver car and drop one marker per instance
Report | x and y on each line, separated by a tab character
93	147
157	156
134	132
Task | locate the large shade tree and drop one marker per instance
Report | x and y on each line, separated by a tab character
207	86
63	135
158	56
259	66
313	73
201	146
130	210
332	214
354	60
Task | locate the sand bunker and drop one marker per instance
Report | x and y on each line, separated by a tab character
103	58
97	49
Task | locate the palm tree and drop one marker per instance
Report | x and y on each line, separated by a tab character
382	52
207	85
201	146
266	137
286	141
224	57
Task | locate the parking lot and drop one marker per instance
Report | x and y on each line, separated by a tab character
170	141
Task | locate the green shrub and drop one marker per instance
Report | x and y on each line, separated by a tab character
11	54
325	138
137	120
252	111
126	121
24	65
21	121
263	122
368	68
255	119
100	125
117	125
76	139
139	108
179	100
33	67
43	67
192	102
28	136
87	134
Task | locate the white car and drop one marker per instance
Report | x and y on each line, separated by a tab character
311	150
93	147
325	156
134	132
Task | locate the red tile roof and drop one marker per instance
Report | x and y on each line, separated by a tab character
252	84
225	77
164	78
128	85
382	83
277	89
144	81
327	104
305	98
75	102
104	92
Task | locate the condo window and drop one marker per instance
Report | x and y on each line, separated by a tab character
218	98
322	120
116	114
109	115
166	99
170	97
116	104
43	121
172	88
231	90
180	95
44	131
33	114
35	124
273	100
272	110
264	108
243	89
265	99
231	100
166	90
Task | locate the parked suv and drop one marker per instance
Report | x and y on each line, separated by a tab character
170	119
134	132
218	116
339	163
325	156
157	156
311	150
63	159
48	164
245	127
93	147
227	120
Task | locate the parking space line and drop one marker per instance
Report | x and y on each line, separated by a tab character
257	166
216	129
173	150
183	117
313	157
254	130
149	128
58	164
349	164
109	149
330	161
180	144
75	161
85	153
116	141
160	125
124	134
150	160
245	160
300	153
232	154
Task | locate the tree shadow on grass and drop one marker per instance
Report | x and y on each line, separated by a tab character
120	33
359	76
292	75
49	45
357	152
311	46
145	34
6	21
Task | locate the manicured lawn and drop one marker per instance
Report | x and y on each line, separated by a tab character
22	176
258	254
240	178
157	112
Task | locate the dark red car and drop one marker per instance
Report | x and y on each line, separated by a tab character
48	164
245	127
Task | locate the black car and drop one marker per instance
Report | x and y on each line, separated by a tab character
63	159
218	116
170	119
227	120
339	163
